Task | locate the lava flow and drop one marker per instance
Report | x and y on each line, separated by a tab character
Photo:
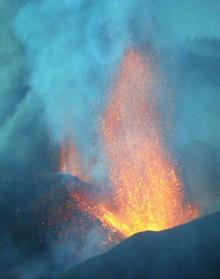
146	192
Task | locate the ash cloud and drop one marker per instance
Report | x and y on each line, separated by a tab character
58	59
72	52
21	124
191	38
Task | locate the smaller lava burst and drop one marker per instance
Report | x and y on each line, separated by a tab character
68	155
146	192
69	161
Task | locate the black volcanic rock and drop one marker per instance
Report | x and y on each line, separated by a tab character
38	216
184	252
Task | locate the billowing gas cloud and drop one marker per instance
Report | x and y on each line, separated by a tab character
72	51
22	128
189	32
71	55
58	59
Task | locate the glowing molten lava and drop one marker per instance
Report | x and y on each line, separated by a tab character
146	192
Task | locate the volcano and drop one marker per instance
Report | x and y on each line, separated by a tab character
186	251
146	192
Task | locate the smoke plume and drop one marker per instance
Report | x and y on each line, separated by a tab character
58	60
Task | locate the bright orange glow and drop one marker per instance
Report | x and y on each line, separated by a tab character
146	192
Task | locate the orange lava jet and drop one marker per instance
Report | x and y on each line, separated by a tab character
146	192
68	158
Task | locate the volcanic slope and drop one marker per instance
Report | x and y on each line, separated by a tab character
187	251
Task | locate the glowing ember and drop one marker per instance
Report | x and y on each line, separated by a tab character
146	191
